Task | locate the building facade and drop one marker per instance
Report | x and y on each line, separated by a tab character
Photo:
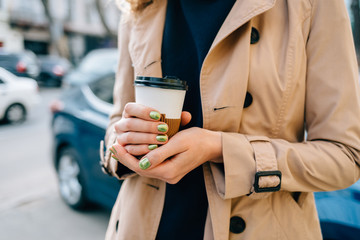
70	28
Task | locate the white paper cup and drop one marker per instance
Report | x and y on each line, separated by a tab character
165	95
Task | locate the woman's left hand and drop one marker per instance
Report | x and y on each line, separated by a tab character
185	151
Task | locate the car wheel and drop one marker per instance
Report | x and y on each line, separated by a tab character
71	183
15	113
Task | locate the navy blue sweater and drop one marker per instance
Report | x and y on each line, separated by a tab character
190	29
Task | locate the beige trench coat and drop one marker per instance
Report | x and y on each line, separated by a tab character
301	74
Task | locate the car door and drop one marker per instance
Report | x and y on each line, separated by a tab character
98	95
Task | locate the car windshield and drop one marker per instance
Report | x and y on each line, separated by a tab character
103	88
99	62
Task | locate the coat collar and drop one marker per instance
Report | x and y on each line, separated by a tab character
242	11
149	26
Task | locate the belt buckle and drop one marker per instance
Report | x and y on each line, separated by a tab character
259	174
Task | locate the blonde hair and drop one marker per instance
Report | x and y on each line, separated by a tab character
135	6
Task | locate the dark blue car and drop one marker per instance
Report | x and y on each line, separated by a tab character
79	122
339	213
52	70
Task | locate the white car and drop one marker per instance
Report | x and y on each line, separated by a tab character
17	96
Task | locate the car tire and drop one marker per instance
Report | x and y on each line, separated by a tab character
70	178
15	113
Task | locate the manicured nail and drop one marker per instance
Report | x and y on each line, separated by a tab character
113	150
144	163
162	127
152	146
155	115
161	138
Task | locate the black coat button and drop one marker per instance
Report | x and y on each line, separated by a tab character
237	225
248	100
255	36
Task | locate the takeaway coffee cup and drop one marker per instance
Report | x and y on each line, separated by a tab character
165	95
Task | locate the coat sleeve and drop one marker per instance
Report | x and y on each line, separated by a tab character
123	93
329	159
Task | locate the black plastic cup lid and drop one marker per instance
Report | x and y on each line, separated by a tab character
166	82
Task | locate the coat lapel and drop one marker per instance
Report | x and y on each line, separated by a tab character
242	11
227	98
147	33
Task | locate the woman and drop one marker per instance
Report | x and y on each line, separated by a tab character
260	74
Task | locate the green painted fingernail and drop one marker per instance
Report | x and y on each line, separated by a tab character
152	146
113	150
162	127
155	115
144	163
161	138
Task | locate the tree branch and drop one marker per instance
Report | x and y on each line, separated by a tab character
99	8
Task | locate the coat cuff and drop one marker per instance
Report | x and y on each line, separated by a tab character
243	157
267	177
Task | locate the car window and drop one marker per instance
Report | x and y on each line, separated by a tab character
99	62
103	88
7	59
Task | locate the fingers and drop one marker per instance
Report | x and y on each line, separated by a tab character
120	154
139	125
164	163
140	150
185	118
158	156
141	111
140	133
146	166
141	138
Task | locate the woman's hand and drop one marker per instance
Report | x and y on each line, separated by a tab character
185	151
140	132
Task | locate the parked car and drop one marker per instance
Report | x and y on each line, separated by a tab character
80	117
79	123
339	213
17	96
22	64
94	64
52	70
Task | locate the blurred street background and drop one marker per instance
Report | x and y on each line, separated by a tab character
57	70
30	205
44	40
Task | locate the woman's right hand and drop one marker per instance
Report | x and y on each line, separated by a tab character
140	130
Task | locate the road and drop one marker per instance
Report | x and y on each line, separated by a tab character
30	205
